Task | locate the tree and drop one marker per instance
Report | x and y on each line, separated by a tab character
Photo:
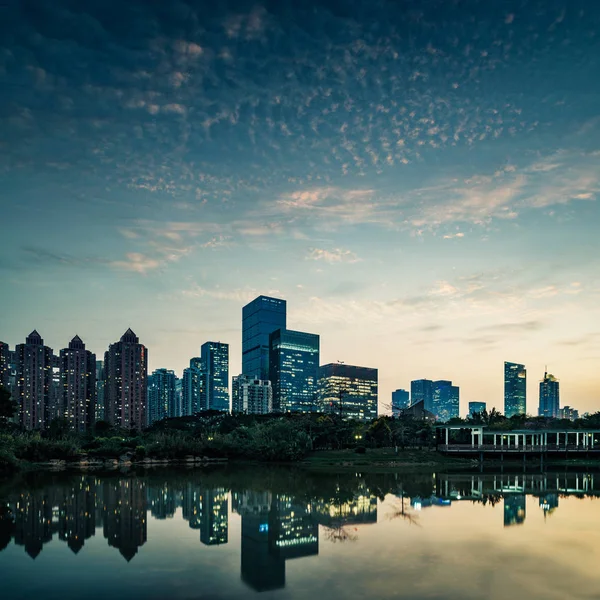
8	407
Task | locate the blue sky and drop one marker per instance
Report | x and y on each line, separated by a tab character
418	179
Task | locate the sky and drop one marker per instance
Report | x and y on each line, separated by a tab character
419	179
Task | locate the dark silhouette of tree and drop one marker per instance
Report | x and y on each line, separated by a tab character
8	407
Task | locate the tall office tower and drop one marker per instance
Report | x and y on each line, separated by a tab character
215	365
178	396
476	408
125	387
34	381
260	318
78	383
421	390
193	388
567	412
400	401
5	359
293	368
162	396
99	390
348	390
446	400
549	397
515	389
251	396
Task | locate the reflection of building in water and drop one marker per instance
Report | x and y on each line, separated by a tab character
214	518
162	501
274	529
191	505
514	509
77	513
124	515
549	503
33	521
419	503
360	509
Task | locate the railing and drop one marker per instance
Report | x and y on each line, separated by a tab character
499	448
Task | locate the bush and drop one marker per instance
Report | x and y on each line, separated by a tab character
360	450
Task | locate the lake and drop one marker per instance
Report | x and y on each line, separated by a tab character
288	533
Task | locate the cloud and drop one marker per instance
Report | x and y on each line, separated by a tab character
136	262
450	236
337	255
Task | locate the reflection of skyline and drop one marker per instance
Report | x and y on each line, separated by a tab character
275	526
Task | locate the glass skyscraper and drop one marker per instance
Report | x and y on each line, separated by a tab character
162	396
260	318
549	397
515	389
422	390
193	388
294	364
446	400
476	407
215	365
348	390
400	401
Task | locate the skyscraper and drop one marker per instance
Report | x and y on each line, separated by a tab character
476	407
126	378
251	396
34	381
549	397
4	364
348	390
293	366
400	401
215	365
422	390
260	318
193	388
162	396
515	389
446	400
99	390
78	385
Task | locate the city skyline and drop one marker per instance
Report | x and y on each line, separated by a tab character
385	404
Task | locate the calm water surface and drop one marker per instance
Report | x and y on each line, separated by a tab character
289	534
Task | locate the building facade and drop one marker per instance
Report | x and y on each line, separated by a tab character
549	397
251	396
349	391
400	401
293	370
78	383
34	381
215	365
193	388
421	390
567	412
99	390
476	408
126	382
162	396
515	389
446	400
260	318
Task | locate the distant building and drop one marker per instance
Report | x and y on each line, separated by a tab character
5	360
400	401
215	365
418	411
446	400
260	318
348	390
421	390
515	389
162	396
78	385
549	397
56	408
251	396
568	413
126	380
99	390
476	408
193	388
294	362
34	381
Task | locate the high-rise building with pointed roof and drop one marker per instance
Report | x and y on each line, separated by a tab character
34	381
78	385
125	387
